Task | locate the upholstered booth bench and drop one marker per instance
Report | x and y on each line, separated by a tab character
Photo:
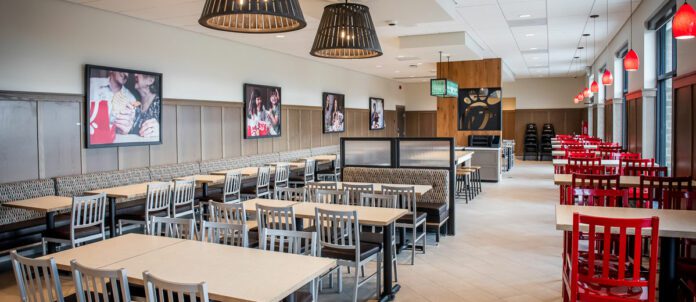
20	227
434	203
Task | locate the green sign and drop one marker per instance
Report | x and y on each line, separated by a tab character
444	88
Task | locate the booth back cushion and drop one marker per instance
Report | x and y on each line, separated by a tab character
438	179
325	150
23	190
169	172
77	184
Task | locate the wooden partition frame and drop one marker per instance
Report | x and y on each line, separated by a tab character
395	143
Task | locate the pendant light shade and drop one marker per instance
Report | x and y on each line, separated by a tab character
586	92
346	31
631	62
684	22
594	87
253	16
607	78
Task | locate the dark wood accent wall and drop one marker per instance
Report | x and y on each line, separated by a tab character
468	74
420	123
43	136
509	124
608	121
565	121
634	120
684	130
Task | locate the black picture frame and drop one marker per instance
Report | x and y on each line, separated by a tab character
340	100
379	124
90	123
480	109
265	93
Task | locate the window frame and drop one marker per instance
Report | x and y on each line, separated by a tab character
663	75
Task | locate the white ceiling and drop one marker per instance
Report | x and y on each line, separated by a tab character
534	38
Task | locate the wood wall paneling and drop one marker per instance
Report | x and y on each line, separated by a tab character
564	121
232	131
508	124
133	157
166	153
211	132
188	133
294	131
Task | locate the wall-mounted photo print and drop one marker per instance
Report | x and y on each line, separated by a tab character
262	111
376	113
122	107
334	110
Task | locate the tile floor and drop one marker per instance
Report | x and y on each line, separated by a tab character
506	249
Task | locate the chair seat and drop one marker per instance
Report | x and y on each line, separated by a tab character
367	250
408	218
252	191
64	232
436	212
141	216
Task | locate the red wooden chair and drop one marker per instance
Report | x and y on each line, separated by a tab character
597	275
635	162
647	171
579	154
585	169
628	155
607	154
589	181
563	137
656	191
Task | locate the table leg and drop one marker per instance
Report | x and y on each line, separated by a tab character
668	275
204	190
401	245
389	290
50	225
112	217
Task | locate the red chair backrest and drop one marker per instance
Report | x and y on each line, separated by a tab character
579	154
627	155
647	171
600	197
607	154
605	273
680	200
585	169
655	188
635	162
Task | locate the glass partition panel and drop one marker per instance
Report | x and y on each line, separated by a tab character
367	153
425	153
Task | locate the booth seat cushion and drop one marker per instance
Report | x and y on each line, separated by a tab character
437	212
295	155
77	184
171	171
333	149
213	165
23	190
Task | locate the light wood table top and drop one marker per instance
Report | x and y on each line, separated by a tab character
292	164
204	179
624	181
232	273
420	189
462	156
42	204
604	162
325	157
366	215
128	191
673	223
106	252
246	171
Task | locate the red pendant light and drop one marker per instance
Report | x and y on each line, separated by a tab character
631	61
586	92
607	78
594	87
684	22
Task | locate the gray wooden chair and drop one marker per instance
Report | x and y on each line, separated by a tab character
86	223
182	228
312	188
234	234
262	188
93	284
157	203
37	279
413	220
331	197
307	176
333	173
281	178
292	242
183	203
375	235
291	194
339	238
230	190
354	191
160	290
227	213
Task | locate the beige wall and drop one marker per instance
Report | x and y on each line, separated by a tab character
45	44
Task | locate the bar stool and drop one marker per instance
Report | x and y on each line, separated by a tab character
463	179
476	178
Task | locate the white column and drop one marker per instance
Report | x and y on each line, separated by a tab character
617	122
649	123
590	114
600	120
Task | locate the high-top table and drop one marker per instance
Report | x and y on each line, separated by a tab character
383	217
674	224
49	205
231	273
122	192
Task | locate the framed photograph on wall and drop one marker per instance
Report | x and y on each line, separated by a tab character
333	110
123	107
480	109
376	113
262	111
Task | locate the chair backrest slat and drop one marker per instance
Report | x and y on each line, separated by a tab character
37	279
234	234
279	218
354	191
312	188
181	228
292	242
291	194
158	198
331	197
310	167
653	190
99	285
88	211
406	196
232	187
227	212
338	229
263	179
184	194
160	290
282	176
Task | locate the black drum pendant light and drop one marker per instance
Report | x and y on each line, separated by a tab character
253	16
346	31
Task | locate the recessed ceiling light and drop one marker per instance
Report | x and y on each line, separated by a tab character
525	16
529	35
535	58
379	66
397	71
399	57
533	48
280	36
419	63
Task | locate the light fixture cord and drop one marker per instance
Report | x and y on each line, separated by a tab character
630	13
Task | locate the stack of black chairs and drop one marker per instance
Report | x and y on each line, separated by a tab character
531	141
547	132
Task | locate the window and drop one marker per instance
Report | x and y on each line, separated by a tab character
666	70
